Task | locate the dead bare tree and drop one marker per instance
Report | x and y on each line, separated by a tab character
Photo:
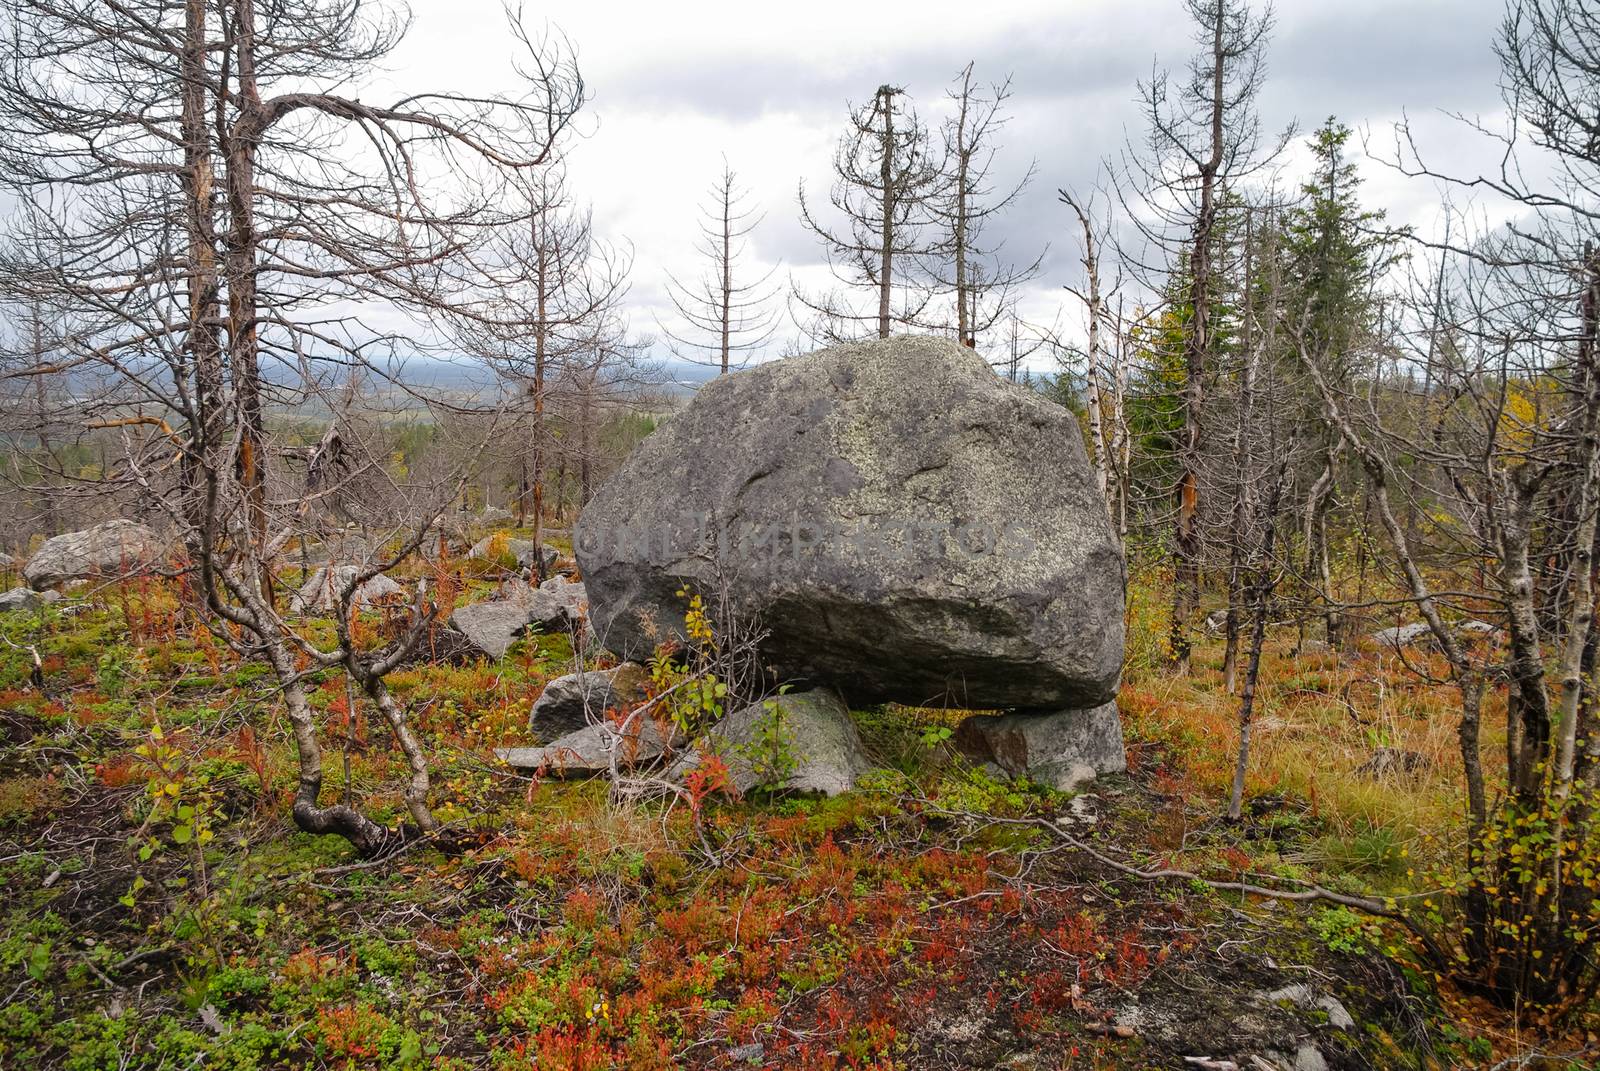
885	186
1519	452
980	282
1105	375
730	315
1203	136
606	381
201	187
552	286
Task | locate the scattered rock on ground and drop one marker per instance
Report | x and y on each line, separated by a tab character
1081	810
1063	750
340	545
557	604
494	624
320	593
817	746
904	523
1306	1057
491	626
576	700
1304	996
1418	632
109	549
589	749
1389	761
1216	621
520	549
752	1053
21	598
1402	635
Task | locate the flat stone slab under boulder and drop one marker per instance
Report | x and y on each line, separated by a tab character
904	523
320	592
1063	750
798	742
589	750
111	549
578	700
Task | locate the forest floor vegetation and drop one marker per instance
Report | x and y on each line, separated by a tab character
162	911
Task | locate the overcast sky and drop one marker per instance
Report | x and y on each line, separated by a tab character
678	86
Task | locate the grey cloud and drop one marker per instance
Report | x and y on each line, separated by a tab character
1073	75
1056	60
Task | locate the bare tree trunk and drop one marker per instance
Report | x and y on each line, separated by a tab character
1582	587
1527	701
1468	678
561	484
1247	699
1122	439
1197	346
1242	510
1098	438
727	271
1314	533
1265	582
242	144
367	837
1578	638
416	790
48	511
887	176
585	444
964	314
1242	504
203	341
540	355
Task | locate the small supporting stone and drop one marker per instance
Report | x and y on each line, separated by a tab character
799	742
1063	749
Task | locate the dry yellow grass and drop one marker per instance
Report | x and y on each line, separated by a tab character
1318	719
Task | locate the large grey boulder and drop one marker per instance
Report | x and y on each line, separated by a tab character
798	742
1062	750
320	592
110	549
576	700
906	525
